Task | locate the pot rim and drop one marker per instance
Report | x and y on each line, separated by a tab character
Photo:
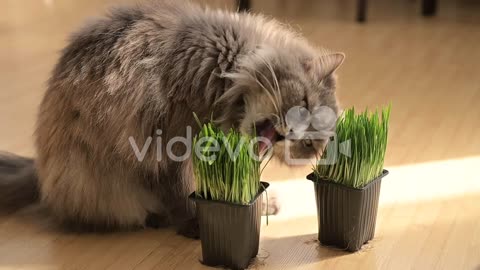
315	180
265	185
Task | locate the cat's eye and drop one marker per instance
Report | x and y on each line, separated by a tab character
307	143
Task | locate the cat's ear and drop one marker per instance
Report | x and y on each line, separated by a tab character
324	65
330	63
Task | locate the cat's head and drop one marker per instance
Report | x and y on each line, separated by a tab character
286	97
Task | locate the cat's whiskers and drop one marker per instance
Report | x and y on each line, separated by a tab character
253	77
279	93
272	99
272	91
276	88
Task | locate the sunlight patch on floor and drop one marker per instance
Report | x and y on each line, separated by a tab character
435	180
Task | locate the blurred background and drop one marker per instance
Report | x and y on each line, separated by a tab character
426	66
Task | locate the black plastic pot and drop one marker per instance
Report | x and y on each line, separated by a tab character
346	215
229	233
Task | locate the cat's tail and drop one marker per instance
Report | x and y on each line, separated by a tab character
18	182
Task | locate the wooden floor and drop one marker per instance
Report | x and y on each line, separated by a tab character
429	215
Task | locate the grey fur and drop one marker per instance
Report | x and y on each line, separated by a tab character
149	67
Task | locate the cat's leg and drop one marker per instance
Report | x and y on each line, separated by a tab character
270	202
89	197
176	185
157	220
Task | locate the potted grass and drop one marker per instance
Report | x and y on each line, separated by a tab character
228	196
347	184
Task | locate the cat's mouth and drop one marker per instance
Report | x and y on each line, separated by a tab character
266	129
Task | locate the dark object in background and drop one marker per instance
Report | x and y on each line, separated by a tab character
346	215
429	7
361	10
243	5
230	233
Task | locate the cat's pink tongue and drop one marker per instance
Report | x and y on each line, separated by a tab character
269	134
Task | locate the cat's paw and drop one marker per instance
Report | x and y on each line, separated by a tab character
189	229
156	221
273	206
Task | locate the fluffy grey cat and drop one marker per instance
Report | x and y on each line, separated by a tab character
140	73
